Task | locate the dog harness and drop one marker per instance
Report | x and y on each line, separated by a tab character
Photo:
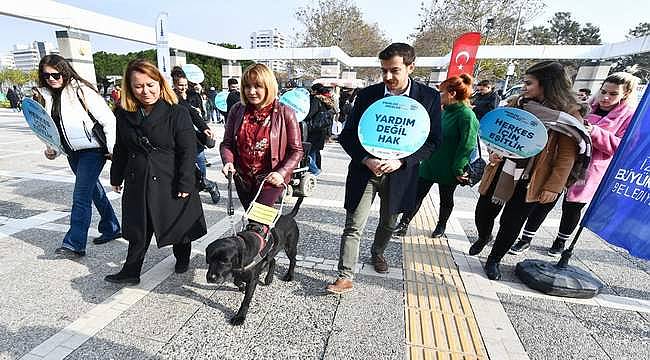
263	251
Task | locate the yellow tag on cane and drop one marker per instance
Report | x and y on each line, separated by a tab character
262	214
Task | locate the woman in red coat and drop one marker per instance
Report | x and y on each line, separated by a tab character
262	139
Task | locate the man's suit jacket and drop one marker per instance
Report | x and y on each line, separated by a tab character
402	182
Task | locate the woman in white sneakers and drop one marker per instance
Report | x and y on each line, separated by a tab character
75	107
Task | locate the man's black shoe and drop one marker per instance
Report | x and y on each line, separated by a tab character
492	270
120	278
104	239
478	246
64	252
401	229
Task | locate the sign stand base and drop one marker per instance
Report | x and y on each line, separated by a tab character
559	279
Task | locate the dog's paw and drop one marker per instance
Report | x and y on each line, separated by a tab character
287	277
237	320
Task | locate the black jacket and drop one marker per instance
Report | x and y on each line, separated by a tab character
485	103
152	179
402	182
233	98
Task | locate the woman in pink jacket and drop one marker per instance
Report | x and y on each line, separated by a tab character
611	111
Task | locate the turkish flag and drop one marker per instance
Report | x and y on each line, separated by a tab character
463	56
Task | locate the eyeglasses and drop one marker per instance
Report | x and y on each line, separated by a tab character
55	76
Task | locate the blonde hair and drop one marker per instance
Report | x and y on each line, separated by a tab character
628	81
259	74
128	100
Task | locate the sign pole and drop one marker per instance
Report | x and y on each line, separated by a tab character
162	46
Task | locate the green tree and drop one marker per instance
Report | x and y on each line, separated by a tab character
563	30
338	23
638	64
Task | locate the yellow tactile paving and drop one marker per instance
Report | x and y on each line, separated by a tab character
439	320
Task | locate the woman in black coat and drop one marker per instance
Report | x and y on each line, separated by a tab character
154	157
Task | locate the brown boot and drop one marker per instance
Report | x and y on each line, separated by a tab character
340	286
381	266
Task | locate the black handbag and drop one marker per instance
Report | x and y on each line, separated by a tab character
475	169
98	129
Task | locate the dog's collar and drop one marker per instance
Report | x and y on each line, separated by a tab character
258	257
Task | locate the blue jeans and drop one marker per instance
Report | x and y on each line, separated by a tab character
200	160
87	165
313	162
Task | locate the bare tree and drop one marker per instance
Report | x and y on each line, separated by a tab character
338	23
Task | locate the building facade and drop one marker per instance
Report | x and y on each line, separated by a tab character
7	61
27	57
270	39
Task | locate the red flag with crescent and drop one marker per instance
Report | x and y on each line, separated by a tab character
463	56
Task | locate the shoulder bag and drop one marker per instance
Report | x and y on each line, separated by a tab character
98	129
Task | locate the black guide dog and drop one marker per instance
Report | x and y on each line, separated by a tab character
237	258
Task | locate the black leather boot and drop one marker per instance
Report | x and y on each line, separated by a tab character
492	270
478	246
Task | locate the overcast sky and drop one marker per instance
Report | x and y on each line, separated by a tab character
233	21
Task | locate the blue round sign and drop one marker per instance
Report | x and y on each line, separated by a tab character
220	101
194	73
298	100
394	127
41	124
513	133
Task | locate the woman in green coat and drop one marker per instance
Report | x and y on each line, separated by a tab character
446	166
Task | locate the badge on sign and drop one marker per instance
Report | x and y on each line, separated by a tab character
394	127
513	133
298	100
42	124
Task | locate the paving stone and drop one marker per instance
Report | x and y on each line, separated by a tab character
549	330
109	344
622	334
369	322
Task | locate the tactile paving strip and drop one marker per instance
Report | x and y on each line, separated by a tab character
440	323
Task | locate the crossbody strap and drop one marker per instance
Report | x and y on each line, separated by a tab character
83	103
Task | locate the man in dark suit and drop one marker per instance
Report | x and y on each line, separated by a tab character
394	180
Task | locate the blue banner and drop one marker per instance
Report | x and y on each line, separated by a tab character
513	133
394	127
620	210
41	124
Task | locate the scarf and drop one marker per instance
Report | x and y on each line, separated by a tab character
515	170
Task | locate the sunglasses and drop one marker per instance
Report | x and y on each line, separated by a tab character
55	76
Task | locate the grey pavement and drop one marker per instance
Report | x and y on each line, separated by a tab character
55	309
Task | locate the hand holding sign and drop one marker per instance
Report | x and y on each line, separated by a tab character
513	133
42	125
298	100
394	127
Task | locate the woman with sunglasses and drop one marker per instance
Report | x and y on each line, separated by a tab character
72	101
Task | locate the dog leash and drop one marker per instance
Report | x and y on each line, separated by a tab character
231	207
